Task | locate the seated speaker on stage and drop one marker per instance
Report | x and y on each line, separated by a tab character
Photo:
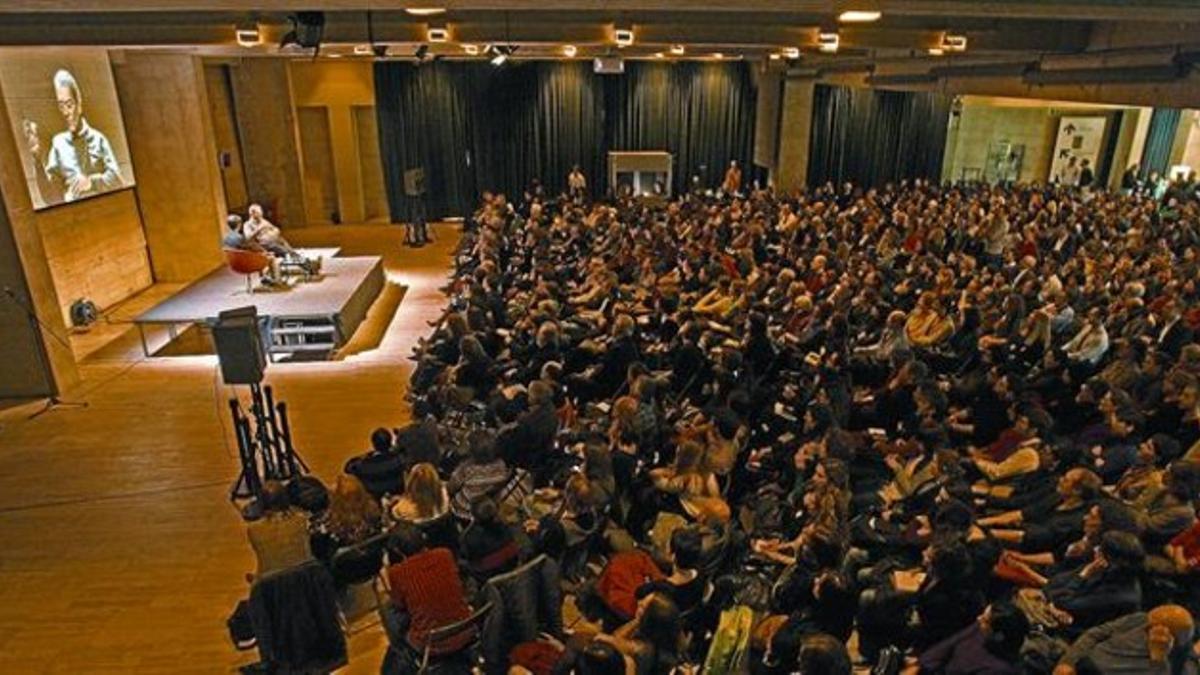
236	240
264	233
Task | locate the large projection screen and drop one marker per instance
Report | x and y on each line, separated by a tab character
63	108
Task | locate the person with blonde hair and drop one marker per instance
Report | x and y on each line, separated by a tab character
425	496
694	485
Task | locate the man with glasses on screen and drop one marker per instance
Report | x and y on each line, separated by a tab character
81	160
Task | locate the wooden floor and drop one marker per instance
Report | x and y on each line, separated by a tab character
119	550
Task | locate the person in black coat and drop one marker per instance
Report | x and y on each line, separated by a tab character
1105	588
1174	334
380	470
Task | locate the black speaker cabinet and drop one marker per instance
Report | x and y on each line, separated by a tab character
238	339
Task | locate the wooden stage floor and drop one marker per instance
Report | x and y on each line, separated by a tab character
120	552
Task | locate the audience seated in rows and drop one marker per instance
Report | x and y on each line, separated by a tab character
956	426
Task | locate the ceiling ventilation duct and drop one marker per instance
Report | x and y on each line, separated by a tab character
901	79
1010	69
1131	74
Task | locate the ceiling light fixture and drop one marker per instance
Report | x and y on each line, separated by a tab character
502	52
718	56
954	43
248	36
438	34
677	50
660	55
473	50
776	56
425	11
828	42
791	52
937	51
362	50
624	37
859	16
570	51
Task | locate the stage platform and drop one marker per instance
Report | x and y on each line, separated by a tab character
313	317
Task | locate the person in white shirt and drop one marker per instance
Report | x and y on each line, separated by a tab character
1090	344
264	233
80	162
576	183
259	230
1069	175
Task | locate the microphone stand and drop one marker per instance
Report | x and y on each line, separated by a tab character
35	324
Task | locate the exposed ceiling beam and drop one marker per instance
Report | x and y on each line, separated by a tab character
754	30
1098	10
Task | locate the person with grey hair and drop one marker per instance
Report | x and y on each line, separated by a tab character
267	235
81	160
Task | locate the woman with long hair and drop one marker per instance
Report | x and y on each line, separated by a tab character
694	485
425	495
652	639
353	516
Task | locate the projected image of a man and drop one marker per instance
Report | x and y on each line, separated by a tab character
80	161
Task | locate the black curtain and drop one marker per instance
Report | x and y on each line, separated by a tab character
426	123
872	137
474	127
1164	122
702	113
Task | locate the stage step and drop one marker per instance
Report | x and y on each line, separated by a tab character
308	334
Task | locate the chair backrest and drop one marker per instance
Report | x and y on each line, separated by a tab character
467	625
528	602
360	562
245	261
441	531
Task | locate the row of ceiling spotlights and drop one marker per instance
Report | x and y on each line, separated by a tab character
624	37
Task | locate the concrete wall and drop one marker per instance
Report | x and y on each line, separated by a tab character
767	116
794	129
266	122
167	119
1029	122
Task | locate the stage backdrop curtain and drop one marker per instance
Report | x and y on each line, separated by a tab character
474	127
426	122
872	136
1164	122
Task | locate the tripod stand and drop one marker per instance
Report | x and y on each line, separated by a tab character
52	402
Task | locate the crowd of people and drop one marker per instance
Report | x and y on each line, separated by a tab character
926	428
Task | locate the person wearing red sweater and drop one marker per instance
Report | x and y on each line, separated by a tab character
426	588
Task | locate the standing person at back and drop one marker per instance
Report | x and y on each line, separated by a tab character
733	179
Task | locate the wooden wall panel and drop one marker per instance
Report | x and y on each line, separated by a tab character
224	124
375	205
170	137
320	179
266	121
25	270
342	87
96	249
21	373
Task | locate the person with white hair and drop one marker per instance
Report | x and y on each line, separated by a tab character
81	160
